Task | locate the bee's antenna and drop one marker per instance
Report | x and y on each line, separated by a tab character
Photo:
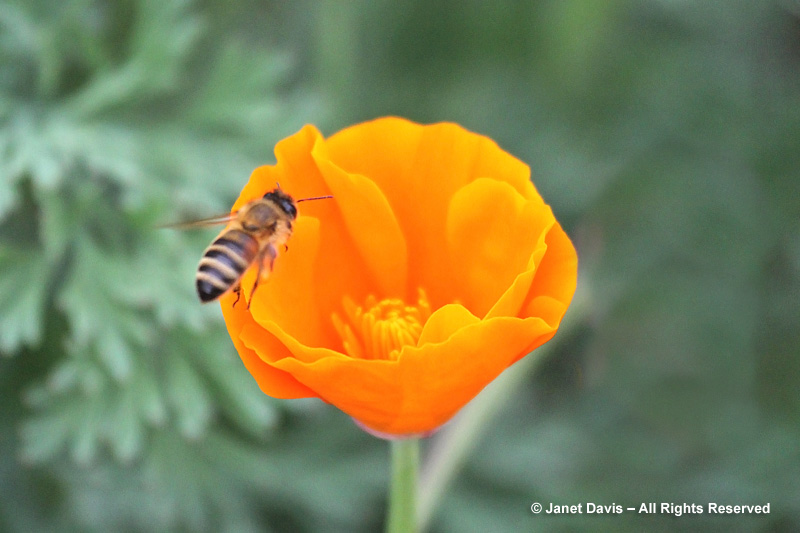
314	198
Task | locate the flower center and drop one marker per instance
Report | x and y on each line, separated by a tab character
380	329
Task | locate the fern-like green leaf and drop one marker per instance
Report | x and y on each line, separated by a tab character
24	289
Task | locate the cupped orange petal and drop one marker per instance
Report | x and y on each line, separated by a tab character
486	248
271	380
444	322
441	378
371	224
428	384
295	170
288	296
556	277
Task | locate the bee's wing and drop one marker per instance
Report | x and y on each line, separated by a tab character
203	222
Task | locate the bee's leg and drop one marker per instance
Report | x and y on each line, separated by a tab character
238	290
255	285
270	253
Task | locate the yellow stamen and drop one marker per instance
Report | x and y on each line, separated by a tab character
380	329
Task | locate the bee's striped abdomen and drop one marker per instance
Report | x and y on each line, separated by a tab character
223	264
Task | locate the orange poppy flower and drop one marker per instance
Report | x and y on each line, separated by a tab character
435	266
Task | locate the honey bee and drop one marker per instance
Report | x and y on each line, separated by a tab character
253	236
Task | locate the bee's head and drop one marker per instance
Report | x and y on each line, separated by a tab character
282	200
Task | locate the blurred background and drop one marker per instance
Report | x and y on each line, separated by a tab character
664	133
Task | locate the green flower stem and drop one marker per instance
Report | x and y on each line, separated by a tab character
403	493
453	444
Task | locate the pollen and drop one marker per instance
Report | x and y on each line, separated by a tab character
380	329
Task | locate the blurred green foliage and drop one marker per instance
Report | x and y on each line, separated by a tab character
666	136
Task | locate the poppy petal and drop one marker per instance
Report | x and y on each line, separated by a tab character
295	170
444	322
371	224
439	379
271	380
557	275
292	305
491	234
427	385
